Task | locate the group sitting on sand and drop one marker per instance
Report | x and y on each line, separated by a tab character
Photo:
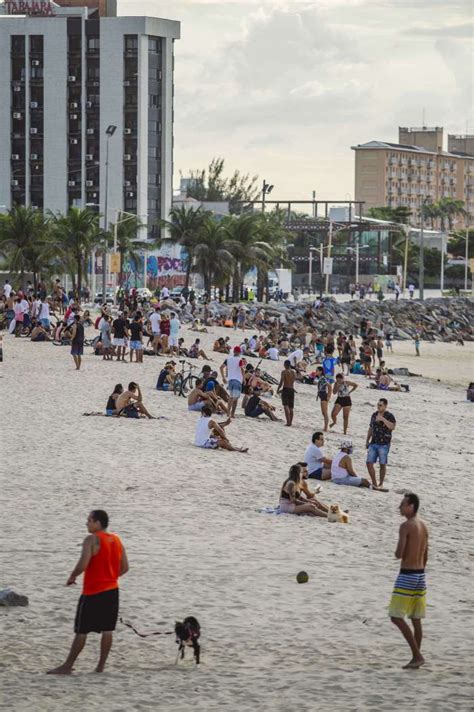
127	403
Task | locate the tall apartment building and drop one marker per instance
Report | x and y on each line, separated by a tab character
405	173
72	69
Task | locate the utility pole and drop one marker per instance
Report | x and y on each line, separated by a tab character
329	254
466	259
266	190
109	133
421	270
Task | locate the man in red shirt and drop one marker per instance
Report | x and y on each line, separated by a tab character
103	560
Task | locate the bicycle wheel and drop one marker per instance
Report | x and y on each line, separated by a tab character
188	384
178	385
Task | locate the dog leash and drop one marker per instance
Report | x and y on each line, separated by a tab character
146	635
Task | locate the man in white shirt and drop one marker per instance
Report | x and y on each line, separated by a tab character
174	333
25	305
211	435
273	353
232	370
43	313
165	292
319	467
411	290
7	288
155	320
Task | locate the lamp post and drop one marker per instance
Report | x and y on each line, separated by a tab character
109	132
466	259
310	277
357	249
441	280
128	216
266	190
421	270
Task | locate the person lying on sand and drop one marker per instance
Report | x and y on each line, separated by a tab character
211	435
291	501
342	470
130	403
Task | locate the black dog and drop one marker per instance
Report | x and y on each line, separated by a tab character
187	634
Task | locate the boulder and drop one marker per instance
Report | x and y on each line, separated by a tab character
10	598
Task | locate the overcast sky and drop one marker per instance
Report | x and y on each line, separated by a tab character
283	89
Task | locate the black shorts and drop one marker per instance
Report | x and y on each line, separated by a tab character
316	475
288	397
323	397
97	613
344	401
346	359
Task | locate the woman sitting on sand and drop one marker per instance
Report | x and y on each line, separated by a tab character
111	407
290	500
220	346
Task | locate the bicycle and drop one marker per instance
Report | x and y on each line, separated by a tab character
266	376
184	381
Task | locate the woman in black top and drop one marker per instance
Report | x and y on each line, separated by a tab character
342	391
291	501
111	407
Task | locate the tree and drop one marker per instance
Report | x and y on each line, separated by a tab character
457	243
213	254
183	228
211	185
401	214
24	240
75	235
450	208
128	245
248	249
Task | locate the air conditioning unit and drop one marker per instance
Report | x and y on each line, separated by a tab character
15	157
89	157
71	78
33	131
89	183
34	156
34	104
14	183
73	117
93	195
88	104
126	83
74	105
16	115
130	194
95	84
35	207
71	183
127	157
74	141
35	63
127	183
17	88
127	131
90	132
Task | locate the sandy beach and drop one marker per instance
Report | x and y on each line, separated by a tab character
198	545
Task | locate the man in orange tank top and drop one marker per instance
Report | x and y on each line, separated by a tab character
103	560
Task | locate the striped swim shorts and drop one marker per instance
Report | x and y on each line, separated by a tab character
409	595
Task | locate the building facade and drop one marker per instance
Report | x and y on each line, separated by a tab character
70	71
405	173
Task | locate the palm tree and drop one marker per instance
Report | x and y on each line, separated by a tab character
449	208
183	227
248	249
128	245
213	254
24	240
75	235
272	231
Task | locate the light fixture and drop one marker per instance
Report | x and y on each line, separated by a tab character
110	130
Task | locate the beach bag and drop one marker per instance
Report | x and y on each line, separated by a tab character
229	323
12	326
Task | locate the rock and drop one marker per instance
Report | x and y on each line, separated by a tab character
10	598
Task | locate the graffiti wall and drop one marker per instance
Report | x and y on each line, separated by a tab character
164	268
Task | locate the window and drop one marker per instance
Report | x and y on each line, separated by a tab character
154	45
131	43
153	101
93	44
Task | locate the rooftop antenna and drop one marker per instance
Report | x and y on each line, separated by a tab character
423	119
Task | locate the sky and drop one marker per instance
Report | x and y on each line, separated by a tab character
282	90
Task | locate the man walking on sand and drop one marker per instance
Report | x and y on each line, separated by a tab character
409	593
232	371
287	389
103	560
77	341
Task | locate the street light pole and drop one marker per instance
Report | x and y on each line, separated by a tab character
329	254
466	258
109	133
441	281
266	189
310	277
421	269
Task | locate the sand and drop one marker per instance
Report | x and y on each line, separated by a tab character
198	545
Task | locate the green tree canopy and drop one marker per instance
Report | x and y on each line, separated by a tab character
210	184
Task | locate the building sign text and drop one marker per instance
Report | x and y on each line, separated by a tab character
36	8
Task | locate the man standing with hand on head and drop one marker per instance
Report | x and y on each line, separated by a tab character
409	593
103	560
232	371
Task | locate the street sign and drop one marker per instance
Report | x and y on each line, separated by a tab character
114	262
327	265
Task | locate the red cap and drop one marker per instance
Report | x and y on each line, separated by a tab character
157	307
237	350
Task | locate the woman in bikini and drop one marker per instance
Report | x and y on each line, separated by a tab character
290	500
342	391
111	407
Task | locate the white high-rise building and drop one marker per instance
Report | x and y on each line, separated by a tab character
71	72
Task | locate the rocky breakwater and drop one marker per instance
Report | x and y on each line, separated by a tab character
433	319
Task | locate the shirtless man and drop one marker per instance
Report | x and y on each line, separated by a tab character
409	593
198	398
130	402
287	389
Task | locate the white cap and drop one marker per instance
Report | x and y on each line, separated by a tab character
346	443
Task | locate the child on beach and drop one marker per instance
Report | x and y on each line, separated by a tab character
417	345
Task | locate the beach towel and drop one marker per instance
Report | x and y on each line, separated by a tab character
271	510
